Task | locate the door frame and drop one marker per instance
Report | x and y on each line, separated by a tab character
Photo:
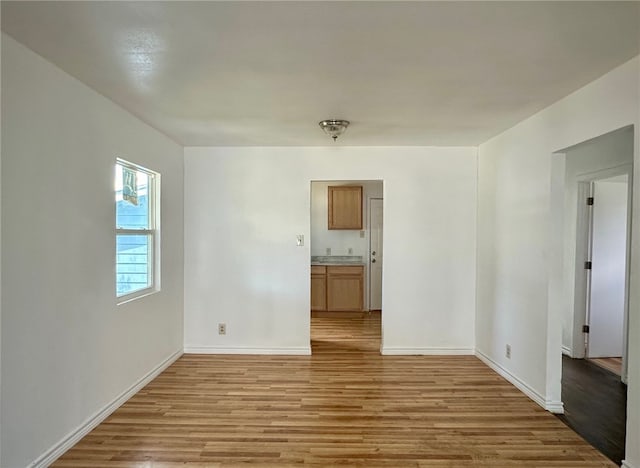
366	226
369	275
581	288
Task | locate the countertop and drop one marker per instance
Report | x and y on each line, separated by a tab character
337	260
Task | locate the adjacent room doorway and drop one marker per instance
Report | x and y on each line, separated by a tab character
346	247
602	279
605	314
591	210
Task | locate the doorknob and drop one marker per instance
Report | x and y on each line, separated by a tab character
373	253
373	260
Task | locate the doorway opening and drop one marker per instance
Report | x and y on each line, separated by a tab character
347	261
606	278
591	209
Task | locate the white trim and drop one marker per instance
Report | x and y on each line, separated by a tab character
136	295
301	351
554	406
627	464
607	172
431	351
368	259
579	279
152	232
135	232
68	441
549	405
566	350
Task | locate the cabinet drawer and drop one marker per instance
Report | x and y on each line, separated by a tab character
345	270
318	270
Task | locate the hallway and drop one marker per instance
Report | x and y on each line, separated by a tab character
595	405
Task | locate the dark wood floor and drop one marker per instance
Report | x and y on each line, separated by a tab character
346	405
595	405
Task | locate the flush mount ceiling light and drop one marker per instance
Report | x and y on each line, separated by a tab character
334	127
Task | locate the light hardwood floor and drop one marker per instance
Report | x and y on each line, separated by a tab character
345	405
613	364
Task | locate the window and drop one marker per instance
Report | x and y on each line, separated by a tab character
136	191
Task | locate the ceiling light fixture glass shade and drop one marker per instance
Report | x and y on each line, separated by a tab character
334	127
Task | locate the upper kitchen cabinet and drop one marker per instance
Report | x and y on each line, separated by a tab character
345	207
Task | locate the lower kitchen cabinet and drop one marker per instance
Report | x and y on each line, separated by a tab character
337	288
318	287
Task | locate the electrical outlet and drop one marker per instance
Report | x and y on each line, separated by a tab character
361	234
507	351
328	250
350	250
222	329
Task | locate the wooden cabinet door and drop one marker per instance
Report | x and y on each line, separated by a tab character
345	288
345	207
318	292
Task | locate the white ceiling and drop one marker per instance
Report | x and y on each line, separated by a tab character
264	73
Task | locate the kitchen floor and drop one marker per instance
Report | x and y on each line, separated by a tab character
339	330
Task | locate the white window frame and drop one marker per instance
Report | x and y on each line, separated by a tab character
153	232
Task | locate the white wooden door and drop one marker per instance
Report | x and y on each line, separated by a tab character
608	273
375	254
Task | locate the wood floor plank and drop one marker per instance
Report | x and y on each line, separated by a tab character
595	405
344	405
612	364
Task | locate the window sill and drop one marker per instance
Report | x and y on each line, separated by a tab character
137	295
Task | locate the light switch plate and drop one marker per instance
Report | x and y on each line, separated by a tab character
300	240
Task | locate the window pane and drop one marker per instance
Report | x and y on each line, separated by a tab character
132	213
132	263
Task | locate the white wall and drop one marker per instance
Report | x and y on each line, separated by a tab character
0	245
583	162
245	206
67	348
520	253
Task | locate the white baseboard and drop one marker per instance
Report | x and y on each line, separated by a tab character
626	464
391	351
549	405
554	406
566	351
302	351
74	436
